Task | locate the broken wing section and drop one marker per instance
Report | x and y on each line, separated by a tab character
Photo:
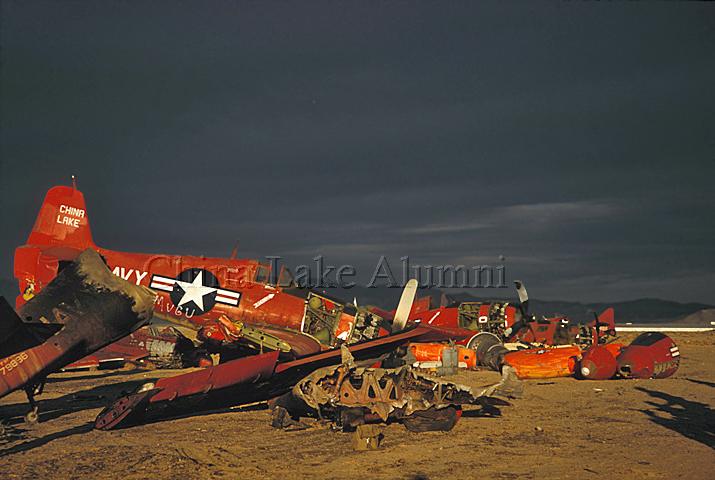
86	306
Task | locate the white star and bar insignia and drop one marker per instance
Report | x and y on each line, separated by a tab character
196	290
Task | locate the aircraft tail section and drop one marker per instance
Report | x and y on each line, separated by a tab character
60	233
62	220
608	318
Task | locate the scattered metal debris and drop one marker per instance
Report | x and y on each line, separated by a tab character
241	381
349	395
367	437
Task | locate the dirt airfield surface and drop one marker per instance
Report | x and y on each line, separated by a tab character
561	428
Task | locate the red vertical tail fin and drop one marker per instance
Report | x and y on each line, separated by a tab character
607	317
60	233
62	220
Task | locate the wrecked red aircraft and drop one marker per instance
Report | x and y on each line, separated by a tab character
511	322
240	307
650	355
241	302
244	380
499	321
83	309
217	296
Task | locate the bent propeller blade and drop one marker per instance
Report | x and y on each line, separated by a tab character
405	306
523	296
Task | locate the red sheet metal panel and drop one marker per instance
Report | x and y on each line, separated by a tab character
243	370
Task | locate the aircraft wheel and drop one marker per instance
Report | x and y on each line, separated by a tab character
32	417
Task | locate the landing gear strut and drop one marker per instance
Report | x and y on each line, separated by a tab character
32	416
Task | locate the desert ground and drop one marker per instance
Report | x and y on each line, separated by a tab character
561	428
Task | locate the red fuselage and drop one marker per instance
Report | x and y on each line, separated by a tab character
231	287
191	290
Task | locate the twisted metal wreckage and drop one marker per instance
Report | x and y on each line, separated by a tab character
349	395
304	351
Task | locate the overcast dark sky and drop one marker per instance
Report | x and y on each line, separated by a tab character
577	140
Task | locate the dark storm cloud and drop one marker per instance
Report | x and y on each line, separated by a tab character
576	140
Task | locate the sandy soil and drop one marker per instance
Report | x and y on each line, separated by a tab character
561	428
